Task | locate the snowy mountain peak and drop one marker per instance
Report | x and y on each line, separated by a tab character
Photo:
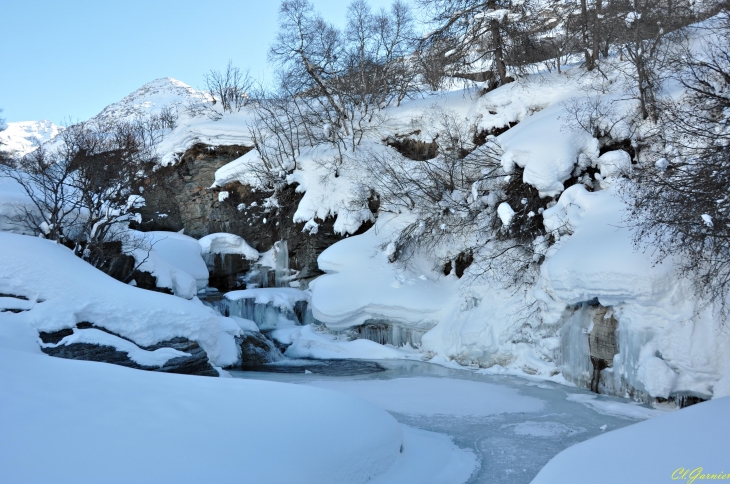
151	98
22	137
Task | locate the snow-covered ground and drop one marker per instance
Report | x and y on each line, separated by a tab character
79	421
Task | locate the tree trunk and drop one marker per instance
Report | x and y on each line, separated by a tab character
498	51
584	32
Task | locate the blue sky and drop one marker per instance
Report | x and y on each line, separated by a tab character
68	59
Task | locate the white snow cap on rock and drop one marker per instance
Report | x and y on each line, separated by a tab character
505	213
223	243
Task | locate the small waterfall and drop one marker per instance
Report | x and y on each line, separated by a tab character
267	316
257	277
281	259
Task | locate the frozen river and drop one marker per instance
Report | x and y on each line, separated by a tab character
512	425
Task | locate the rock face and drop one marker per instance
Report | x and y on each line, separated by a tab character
224	269
602	343
195	364
178	197
257	350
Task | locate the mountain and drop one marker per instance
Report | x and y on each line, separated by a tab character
22	137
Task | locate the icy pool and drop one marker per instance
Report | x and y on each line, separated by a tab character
513	425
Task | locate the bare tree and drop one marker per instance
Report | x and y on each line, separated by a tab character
46	177
80	185
341	81
485	38
453	199
230	87
109	161
680	204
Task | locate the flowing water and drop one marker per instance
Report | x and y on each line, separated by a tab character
513	425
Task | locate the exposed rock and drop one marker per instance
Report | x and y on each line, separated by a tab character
414	149
602	343
195	364
224	271
179	197
257	350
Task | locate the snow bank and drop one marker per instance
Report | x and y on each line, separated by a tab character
429	458
92	422
222	243
173	256
361	284
546	149
598	259
670	342
650	451
65	291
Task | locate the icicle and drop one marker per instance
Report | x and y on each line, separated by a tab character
388	333
281	259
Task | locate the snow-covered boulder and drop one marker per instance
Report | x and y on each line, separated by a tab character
59	291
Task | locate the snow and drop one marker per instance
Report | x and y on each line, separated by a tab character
614	163
22	137
82	416
65	290
546	149
162	264
643	452
222	243
505	213
361	284
656	309
671	343
429	458
616	271
179	428
182	253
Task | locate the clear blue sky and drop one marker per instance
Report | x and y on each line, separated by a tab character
62	59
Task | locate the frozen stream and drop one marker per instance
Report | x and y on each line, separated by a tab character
513	425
